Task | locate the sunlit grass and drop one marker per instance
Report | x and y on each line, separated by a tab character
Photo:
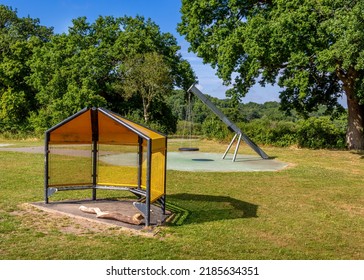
313	209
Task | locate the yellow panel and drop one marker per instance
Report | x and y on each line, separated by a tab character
158	144
117	175
77	130
147	132
158	175
117	185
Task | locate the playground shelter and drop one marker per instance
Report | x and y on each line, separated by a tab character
74	150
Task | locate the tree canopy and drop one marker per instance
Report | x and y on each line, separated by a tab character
147	76
45	77
313	49
18	38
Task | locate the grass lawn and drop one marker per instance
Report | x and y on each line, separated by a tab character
312	210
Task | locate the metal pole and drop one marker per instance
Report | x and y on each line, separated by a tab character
46	165
148	182
95	139
228	148
165	178
94	169
140	162
237	148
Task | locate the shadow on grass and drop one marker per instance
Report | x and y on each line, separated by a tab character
197	208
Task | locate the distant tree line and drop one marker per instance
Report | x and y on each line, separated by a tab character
125	64
264	123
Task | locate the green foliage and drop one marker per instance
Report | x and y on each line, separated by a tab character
264	123
147	76
312	49
270	132
161	118
13	110
18	38
46	77
320	133
213	128
314	133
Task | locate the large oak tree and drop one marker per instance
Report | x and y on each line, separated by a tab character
313	49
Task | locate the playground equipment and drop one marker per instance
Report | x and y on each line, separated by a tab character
231	126
74	151
188	127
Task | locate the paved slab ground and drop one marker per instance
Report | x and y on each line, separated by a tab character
125	207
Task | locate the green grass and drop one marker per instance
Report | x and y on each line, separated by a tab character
312	210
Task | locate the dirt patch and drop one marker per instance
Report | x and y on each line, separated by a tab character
46	221
352	210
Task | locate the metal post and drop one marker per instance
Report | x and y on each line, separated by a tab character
148	182
95	139
237	148
165	178
140	162
94	169
46	165
228	148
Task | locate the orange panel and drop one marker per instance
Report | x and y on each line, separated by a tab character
77	130
111	132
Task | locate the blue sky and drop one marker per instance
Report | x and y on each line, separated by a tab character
165	13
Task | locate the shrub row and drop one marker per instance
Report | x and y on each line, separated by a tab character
314	132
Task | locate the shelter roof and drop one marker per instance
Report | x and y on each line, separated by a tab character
104	126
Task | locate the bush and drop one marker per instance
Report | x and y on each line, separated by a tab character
277	133
166	125
313	133
185	128
213	128
316	133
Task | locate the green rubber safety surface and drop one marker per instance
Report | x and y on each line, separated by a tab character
213	162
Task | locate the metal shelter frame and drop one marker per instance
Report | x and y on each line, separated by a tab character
231	126
143	141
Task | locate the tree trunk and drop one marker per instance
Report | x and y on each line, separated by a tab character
146	105
355	132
